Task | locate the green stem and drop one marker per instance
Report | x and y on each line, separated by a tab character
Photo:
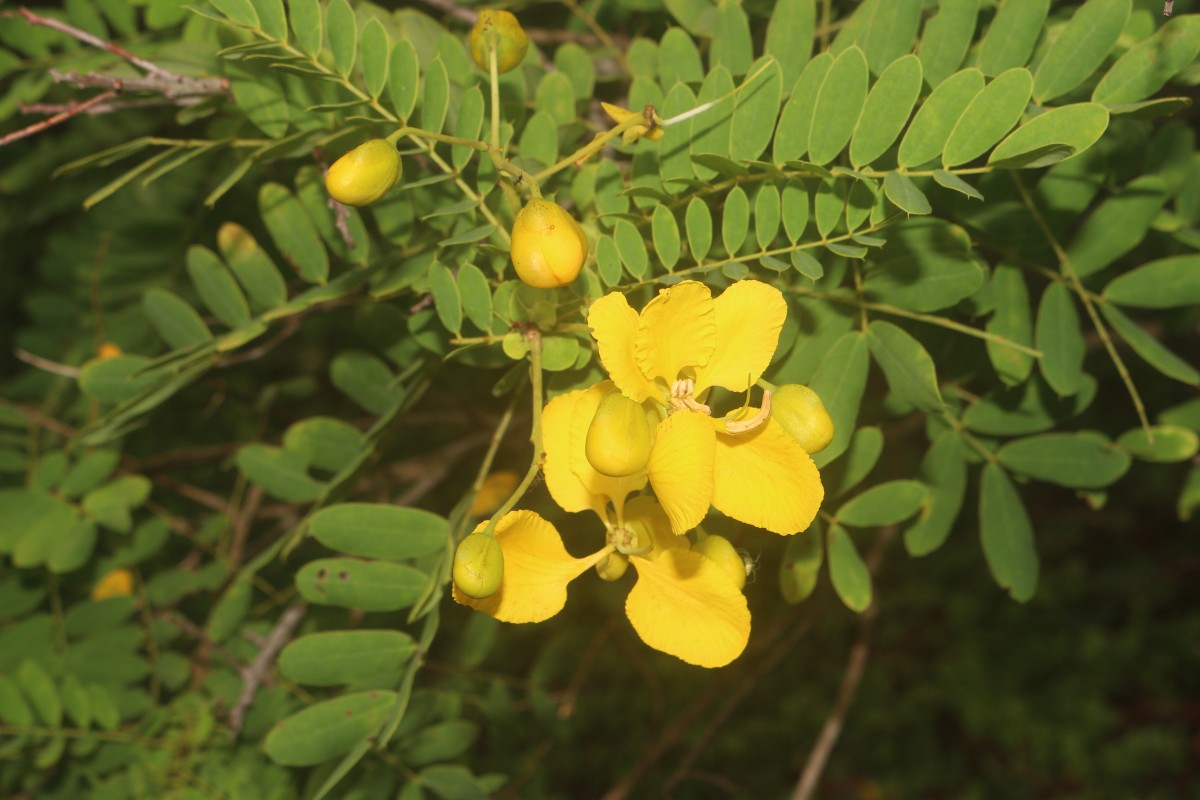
534	338
410	131
494	70
590	149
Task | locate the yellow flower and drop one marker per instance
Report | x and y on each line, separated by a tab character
619	115
683	603
668	358
114	583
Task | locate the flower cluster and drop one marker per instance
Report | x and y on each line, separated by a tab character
650	425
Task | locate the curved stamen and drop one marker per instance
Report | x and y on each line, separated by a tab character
757	421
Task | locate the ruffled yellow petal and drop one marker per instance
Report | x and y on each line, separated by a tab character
598	484
537	569
677	329
764	478
681	468
685	605
614	327
565	486
749	316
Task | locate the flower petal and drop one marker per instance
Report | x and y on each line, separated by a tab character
685	605
677	329
614	326
681	467
565	486
764	478
537	569
603	486
749	316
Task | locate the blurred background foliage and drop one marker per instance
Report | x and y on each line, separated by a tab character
199	461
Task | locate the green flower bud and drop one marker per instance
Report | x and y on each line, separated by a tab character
618	440
721	552
478	566
511	40
365	174
612	566
803	415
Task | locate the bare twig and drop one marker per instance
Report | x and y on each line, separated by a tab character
40	419
94	41
44	364
72	110
256	672
183	90
105	108
851	678
196	632
428	470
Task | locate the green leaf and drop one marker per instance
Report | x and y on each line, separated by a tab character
885	504
801	565
363	378
252	266
41	691
307	24
271	18
469	236
362	585
766	215
949	180
1077	461
1013	33
335	658
712	128
1007	535
1148	65
900	189
678	59
1166	283
735	221
1077	127
698	221
944	471
886	111
731	44
230	611
404	75
576	64
89	472
666	236
674	151
556	97
326	443
926	265
73	547
293	232
328	729
281	473
851	579
1060	340
755	112
13	708
468	126
795	210
240	11
176	322
1165	444
435	100
861	457
884	29
31	522
840	381
370	530
476	296
559	353
539	139
115	380
1117	226
992	113
608	261
1080	47
1029	408
1152	351
937	116
796	120
216	287
946	38
342	28
839	104
1013	321
375	47
632	248
439	742
452	782
446	297
789	36
907	366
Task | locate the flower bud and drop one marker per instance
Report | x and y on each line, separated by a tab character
721	552
365	174
511	40
478	566
612	566
803	415
631	135
618	440
115	583
548	246
108	350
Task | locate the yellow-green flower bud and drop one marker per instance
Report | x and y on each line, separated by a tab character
612	566
618	440
365	174
803	415
511	40
478	566
721	551
548	246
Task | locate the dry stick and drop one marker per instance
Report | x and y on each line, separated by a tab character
256	673
181	90
63	116
855	665
94	41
